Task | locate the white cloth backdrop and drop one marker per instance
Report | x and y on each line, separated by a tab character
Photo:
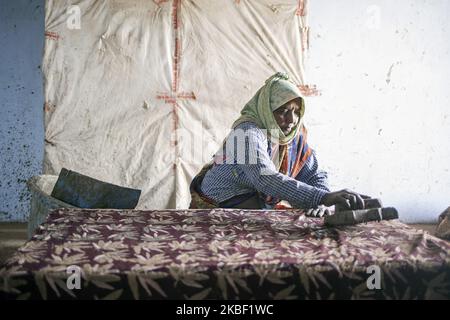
140	93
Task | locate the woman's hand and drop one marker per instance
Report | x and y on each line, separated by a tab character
318	212
346	198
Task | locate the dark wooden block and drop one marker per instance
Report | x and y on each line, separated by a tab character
86	192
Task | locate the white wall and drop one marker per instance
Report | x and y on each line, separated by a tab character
382	124
21	103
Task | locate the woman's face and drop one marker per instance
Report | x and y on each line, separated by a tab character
287	116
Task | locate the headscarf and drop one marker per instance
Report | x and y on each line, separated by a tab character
276	91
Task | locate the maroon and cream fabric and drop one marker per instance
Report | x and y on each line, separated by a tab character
223	254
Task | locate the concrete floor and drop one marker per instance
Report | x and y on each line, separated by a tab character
13	235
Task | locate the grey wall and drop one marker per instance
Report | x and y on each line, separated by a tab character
383	68
21	103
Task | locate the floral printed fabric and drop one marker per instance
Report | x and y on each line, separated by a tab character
223	254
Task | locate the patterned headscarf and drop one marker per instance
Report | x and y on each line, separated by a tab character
277	91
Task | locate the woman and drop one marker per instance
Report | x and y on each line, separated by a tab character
265	159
